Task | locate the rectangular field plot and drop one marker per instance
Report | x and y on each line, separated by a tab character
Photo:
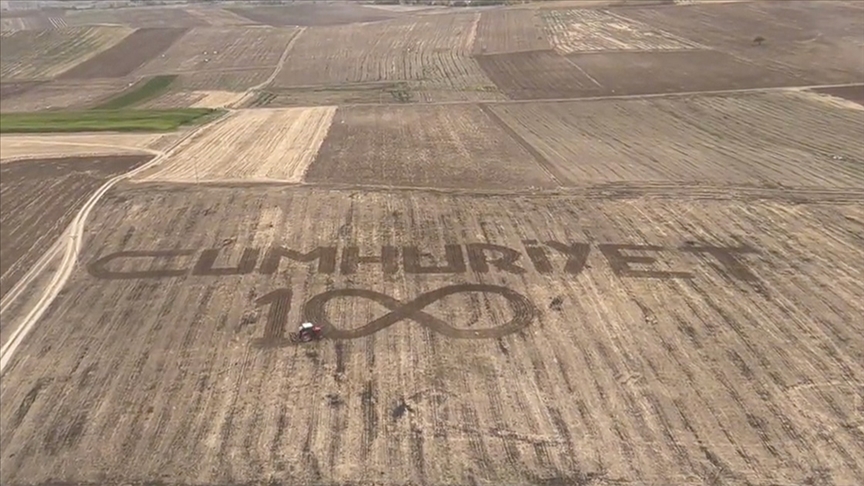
39	199
64	95
312	14
266	144
217	48
819	42
218	17
431	52
784	139
127	56
587	30
633	73
503	31
747	370
431	146
139	18
532	75
43	54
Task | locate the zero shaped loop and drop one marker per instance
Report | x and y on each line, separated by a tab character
523	312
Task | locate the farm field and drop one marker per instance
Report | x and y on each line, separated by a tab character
273	144
127	56
196	99
783	139
217	48
507	31
531	75
39	200
305	14
454	146
15	146
692	369
816	42
64	94
218	17
237	80
138	18
432	53
44	54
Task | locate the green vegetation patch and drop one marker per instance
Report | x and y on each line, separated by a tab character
103	120
139	93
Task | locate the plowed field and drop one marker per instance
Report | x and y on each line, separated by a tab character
231	80
212	49
818	42
272	144
432	52
313	14
43	54
649	341
39	198
531	75
784	139
139	18
503	31
457	146
127	56
219	17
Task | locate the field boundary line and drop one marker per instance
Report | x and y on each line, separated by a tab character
547	166
74	236
766	89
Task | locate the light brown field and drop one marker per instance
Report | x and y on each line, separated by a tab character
586	30
219	17
42	146
217	48
67	94
225	80
271	144
139	18
783	139
43	54
197	99
724	374
431	53
502	31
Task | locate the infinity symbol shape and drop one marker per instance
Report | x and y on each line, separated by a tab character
523	312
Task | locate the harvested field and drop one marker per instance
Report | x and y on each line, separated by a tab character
14	146
127	56
507	31
532	75
586	30
768	139
233	80
709	371
57	95
8	90
817	42
40	198
251	144
197	99
853	94
217	48
139	18
432	52
457	146
218	17
314	14
633	73
31	55
31	22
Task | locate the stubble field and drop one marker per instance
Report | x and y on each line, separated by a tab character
20	146
44	54
271	144
40	198
688	358
64	94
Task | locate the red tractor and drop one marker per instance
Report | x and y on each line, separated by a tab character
308	332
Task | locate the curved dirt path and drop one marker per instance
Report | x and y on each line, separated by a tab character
69	246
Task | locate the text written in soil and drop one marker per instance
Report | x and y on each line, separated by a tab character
625	260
